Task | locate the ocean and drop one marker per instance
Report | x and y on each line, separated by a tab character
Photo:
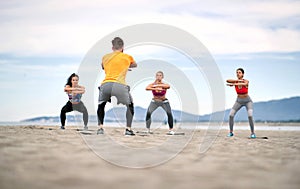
200	125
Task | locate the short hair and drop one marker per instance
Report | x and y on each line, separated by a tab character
241	69
117	43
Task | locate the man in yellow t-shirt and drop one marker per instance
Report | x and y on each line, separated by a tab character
116	65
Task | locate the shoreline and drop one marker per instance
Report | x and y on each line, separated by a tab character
189	126
266	123
259	122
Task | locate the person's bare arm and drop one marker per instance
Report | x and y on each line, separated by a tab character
231	80
68	88
237	82
77	90
163	85
242	83
133	65
152	86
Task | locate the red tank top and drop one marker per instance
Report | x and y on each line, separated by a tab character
241	89
159	93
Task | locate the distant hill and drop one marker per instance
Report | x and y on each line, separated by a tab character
287	109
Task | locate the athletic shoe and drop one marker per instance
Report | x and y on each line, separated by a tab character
145	132
100	131
171	132
129	132
230	134
253	136
85	128
62	127
149	131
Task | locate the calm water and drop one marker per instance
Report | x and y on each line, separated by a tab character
159	125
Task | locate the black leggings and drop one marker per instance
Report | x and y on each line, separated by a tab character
153	106
69	107
129	113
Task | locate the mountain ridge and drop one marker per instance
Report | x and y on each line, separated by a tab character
286	109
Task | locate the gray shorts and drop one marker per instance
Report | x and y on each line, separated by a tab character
120	91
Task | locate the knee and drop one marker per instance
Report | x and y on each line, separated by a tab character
101	106
148	114
100	109
131	108
169	114
86	112
232	113
250	113
63	110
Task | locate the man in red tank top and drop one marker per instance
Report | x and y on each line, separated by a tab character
159	90
243	99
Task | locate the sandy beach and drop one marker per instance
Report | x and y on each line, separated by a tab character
49	158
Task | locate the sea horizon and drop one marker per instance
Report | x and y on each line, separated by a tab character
272	126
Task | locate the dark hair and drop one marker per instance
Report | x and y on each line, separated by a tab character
117	43
241	69
69	81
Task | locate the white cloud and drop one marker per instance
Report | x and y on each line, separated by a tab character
63	28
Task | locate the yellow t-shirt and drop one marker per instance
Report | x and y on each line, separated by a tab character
116	65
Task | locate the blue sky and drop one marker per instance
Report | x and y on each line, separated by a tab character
43	42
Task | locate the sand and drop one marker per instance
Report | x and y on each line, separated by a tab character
46	157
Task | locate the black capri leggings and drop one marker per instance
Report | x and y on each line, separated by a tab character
69	107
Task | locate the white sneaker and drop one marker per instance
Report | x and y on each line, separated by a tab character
148	132
171	132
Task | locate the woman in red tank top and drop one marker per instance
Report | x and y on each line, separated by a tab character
241	85
243	99
159	90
